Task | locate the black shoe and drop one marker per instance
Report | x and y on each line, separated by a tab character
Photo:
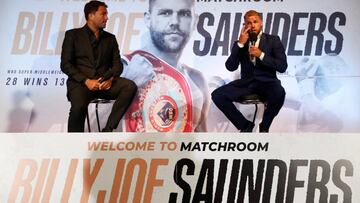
248	127
263	130
106	129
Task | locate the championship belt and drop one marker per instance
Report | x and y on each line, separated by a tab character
163	104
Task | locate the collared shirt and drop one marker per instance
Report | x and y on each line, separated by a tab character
256	45
94	42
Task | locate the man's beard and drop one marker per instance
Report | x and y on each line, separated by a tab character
158	38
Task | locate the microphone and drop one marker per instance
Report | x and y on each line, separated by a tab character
106	76
252	41
253	38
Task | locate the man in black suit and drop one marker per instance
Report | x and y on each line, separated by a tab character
261	56
91	59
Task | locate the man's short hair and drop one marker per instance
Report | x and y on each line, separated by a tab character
252	13
92	7
151	4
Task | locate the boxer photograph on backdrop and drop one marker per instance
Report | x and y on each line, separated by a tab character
172	96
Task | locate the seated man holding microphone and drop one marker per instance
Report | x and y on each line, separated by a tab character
261	56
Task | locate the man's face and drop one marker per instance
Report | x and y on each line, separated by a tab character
99	18
254	22
170	23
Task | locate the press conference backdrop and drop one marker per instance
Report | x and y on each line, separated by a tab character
321	41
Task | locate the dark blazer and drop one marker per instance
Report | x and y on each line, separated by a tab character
78	62
264	71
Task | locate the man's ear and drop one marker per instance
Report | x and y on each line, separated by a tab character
91	15
147	19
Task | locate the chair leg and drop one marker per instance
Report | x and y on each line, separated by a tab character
256	109
87	120
97	116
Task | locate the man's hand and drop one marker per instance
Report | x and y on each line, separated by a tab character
254	51
244	35
139	70
92	84
106	84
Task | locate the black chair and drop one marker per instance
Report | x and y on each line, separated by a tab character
96	102
252	99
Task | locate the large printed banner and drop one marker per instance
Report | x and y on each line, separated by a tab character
321	82
198	167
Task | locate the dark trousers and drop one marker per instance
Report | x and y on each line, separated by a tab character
122	91
271	92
